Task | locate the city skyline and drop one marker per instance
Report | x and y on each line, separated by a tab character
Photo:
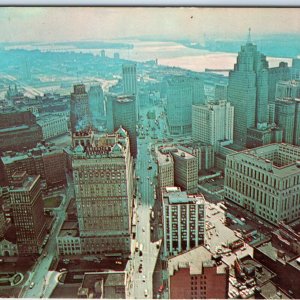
152	157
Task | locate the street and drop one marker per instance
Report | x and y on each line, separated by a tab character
45	281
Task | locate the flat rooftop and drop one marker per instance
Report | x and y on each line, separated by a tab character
69	228
27	184
109	278
193	259
15	128
163	159
272	252
182	198
183	154
261	277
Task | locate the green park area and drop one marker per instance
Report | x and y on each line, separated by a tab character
52	202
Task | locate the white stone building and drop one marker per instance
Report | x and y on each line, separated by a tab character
265	181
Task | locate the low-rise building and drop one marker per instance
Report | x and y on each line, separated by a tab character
103	285
194	275
68	240
53	125
283	263
48	162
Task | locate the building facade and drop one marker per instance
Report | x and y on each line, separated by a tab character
183	220
287	117
287	110
28	213
212	122
179	93
165	170
193	275
53	125
96	105
204	153
248	92
185	171
276	74
49	163
265	181
80	112
121	111
103	181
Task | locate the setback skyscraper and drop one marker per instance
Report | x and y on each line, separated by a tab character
248	92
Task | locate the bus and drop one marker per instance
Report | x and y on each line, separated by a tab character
223	206
141	250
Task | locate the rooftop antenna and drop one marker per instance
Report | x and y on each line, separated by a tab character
249	36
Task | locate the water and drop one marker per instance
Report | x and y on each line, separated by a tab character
167	53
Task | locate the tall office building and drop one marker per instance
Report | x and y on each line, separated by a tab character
80	112
130	83
276	74
96	105
295	70
248	92
103	181
121	111
185	171
184	220
129	79
265	181
165	171
287	110
220	91
287	116
181	93
28	213
212	122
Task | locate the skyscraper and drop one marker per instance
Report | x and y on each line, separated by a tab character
28	212
103	180
184	220
276	74
96	105
248	91
80	112
121	111
212	122
181	93
287	110
130	82
129	79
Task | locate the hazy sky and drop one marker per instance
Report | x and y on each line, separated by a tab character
96	23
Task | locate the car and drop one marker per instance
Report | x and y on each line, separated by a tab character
45	254
63	270
143	229
31	285
146	293
118	262
144	278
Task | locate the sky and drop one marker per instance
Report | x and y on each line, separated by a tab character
54	24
